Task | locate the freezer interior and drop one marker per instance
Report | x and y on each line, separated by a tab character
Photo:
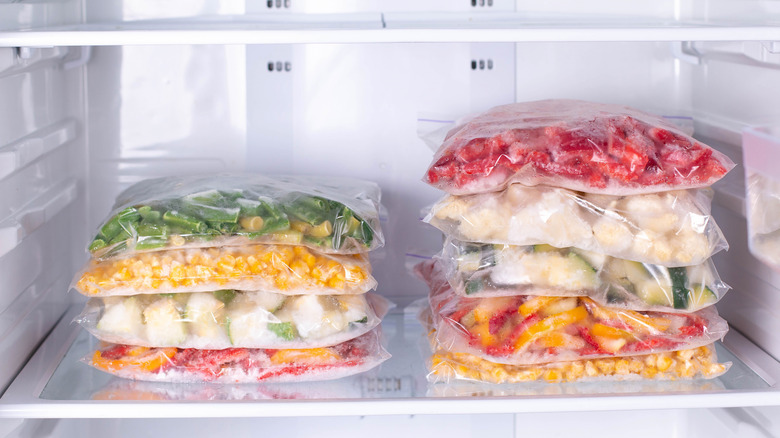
100	95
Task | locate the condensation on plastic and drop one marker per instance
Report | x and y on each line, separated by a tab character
523	330
290	270
241	365
584	146
495	270
330	214
669	229
230	319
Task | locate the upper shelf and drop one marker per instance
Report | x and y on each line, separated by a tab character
386	28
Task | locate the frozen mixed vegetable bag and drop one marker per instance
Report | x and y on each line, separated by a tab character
329	214
524	329
668	229
228	319
492	270
585	146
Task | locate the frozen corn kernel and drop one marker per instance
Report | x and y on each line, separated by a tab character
668	366
287	266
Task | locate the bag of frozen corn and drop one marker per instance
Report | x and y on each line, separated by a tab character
285	269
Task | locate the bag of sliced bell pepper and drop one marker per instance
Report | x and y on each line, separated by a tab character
232	319
525	329
329	214
669	229
240	365
291	270
583	146
480	270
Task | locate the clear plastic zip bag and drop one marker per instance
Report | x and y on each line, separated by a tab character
584	146
291	270
232	319
493	270
525	330
329	214
240	365
669	229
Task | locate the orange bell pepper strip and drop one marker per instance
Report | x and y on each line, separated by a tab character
141	359
608	331
533	305
311	356
554	322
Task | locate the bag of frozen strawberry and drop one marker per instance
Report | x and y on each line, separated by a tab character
584	146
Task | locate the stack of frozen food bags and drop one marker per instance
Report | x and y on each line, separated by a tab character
236	278
578	245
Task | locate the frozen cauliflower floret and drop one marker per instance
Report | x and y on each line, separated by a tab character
612	235
652	212
482	224
450	208
691	248
555	219
643	243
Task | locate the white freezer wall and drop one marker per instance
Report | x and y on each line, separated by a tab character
42	181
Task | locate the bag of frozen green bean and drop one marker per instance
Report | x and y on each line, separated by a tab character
329	214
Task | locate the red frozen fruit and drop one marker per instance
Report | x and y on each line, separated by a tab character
583	146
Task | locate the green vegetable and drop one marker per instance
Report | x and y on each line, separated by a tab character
341	224
473	286
309	209
284	330
148	215
701	296
120	237
679	291
361	321
146	229
322	242
211	206
97	244
129	216
188	223
225	295
111	228
151	242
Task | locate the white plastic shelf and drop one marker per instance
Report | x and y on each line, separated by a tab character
54	384
386	28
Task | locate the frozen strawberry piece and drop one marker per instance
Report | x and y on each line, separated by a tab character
632	152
